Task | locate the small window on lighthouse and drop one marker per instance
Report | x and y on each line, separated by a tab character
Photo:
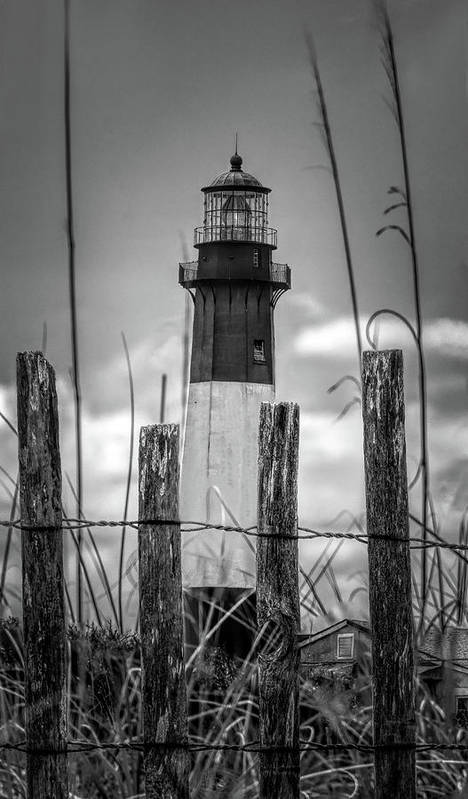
259	350
256	258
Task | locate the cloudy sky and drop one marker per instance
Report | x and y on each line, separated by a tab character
158	90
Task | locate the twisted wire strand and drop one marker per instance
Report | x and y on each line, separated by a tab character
308	533
77	747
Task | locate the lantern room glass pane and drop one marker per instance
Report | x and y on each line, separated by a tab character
235	215
236	212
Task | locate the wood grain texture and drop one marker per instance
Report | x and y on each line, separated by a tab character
43	599
278	614
161	616
389	572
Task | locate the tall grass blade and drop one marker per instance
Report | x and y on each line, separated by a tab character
6	554
72	300
129	478
391	69
328	140
102	570
162	409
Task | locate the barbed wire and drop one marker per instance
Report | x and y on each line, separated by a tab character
255	746
70	524
304	533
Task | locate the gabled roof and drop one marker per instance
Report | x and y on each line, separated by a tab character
362	626
452	645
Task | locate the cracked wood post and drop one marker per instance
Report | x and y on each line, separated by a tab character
278	615
161	616
390	602
43	598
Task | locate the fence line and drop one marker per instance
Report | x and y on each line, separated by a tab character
165	743
80	747
311	534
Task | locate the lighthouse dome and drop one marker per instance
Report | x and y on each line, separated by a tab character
235	176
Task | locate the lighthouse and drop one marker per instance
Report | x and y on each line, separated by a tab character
234	285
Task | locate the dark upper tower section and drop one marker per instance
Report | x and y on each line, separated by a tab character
236	283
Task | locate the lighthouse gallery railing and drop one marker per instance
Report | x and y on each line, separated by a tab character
208	233
277	274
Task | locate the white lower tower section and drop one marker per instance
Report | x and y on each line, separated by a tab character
219	481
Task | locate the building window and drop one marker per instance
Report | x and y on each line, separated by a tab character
461	711
345	645
259	350
256	258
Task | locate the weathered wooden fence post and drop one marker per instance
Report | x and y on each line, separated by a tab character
278	614
43	599
389	574
161	616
